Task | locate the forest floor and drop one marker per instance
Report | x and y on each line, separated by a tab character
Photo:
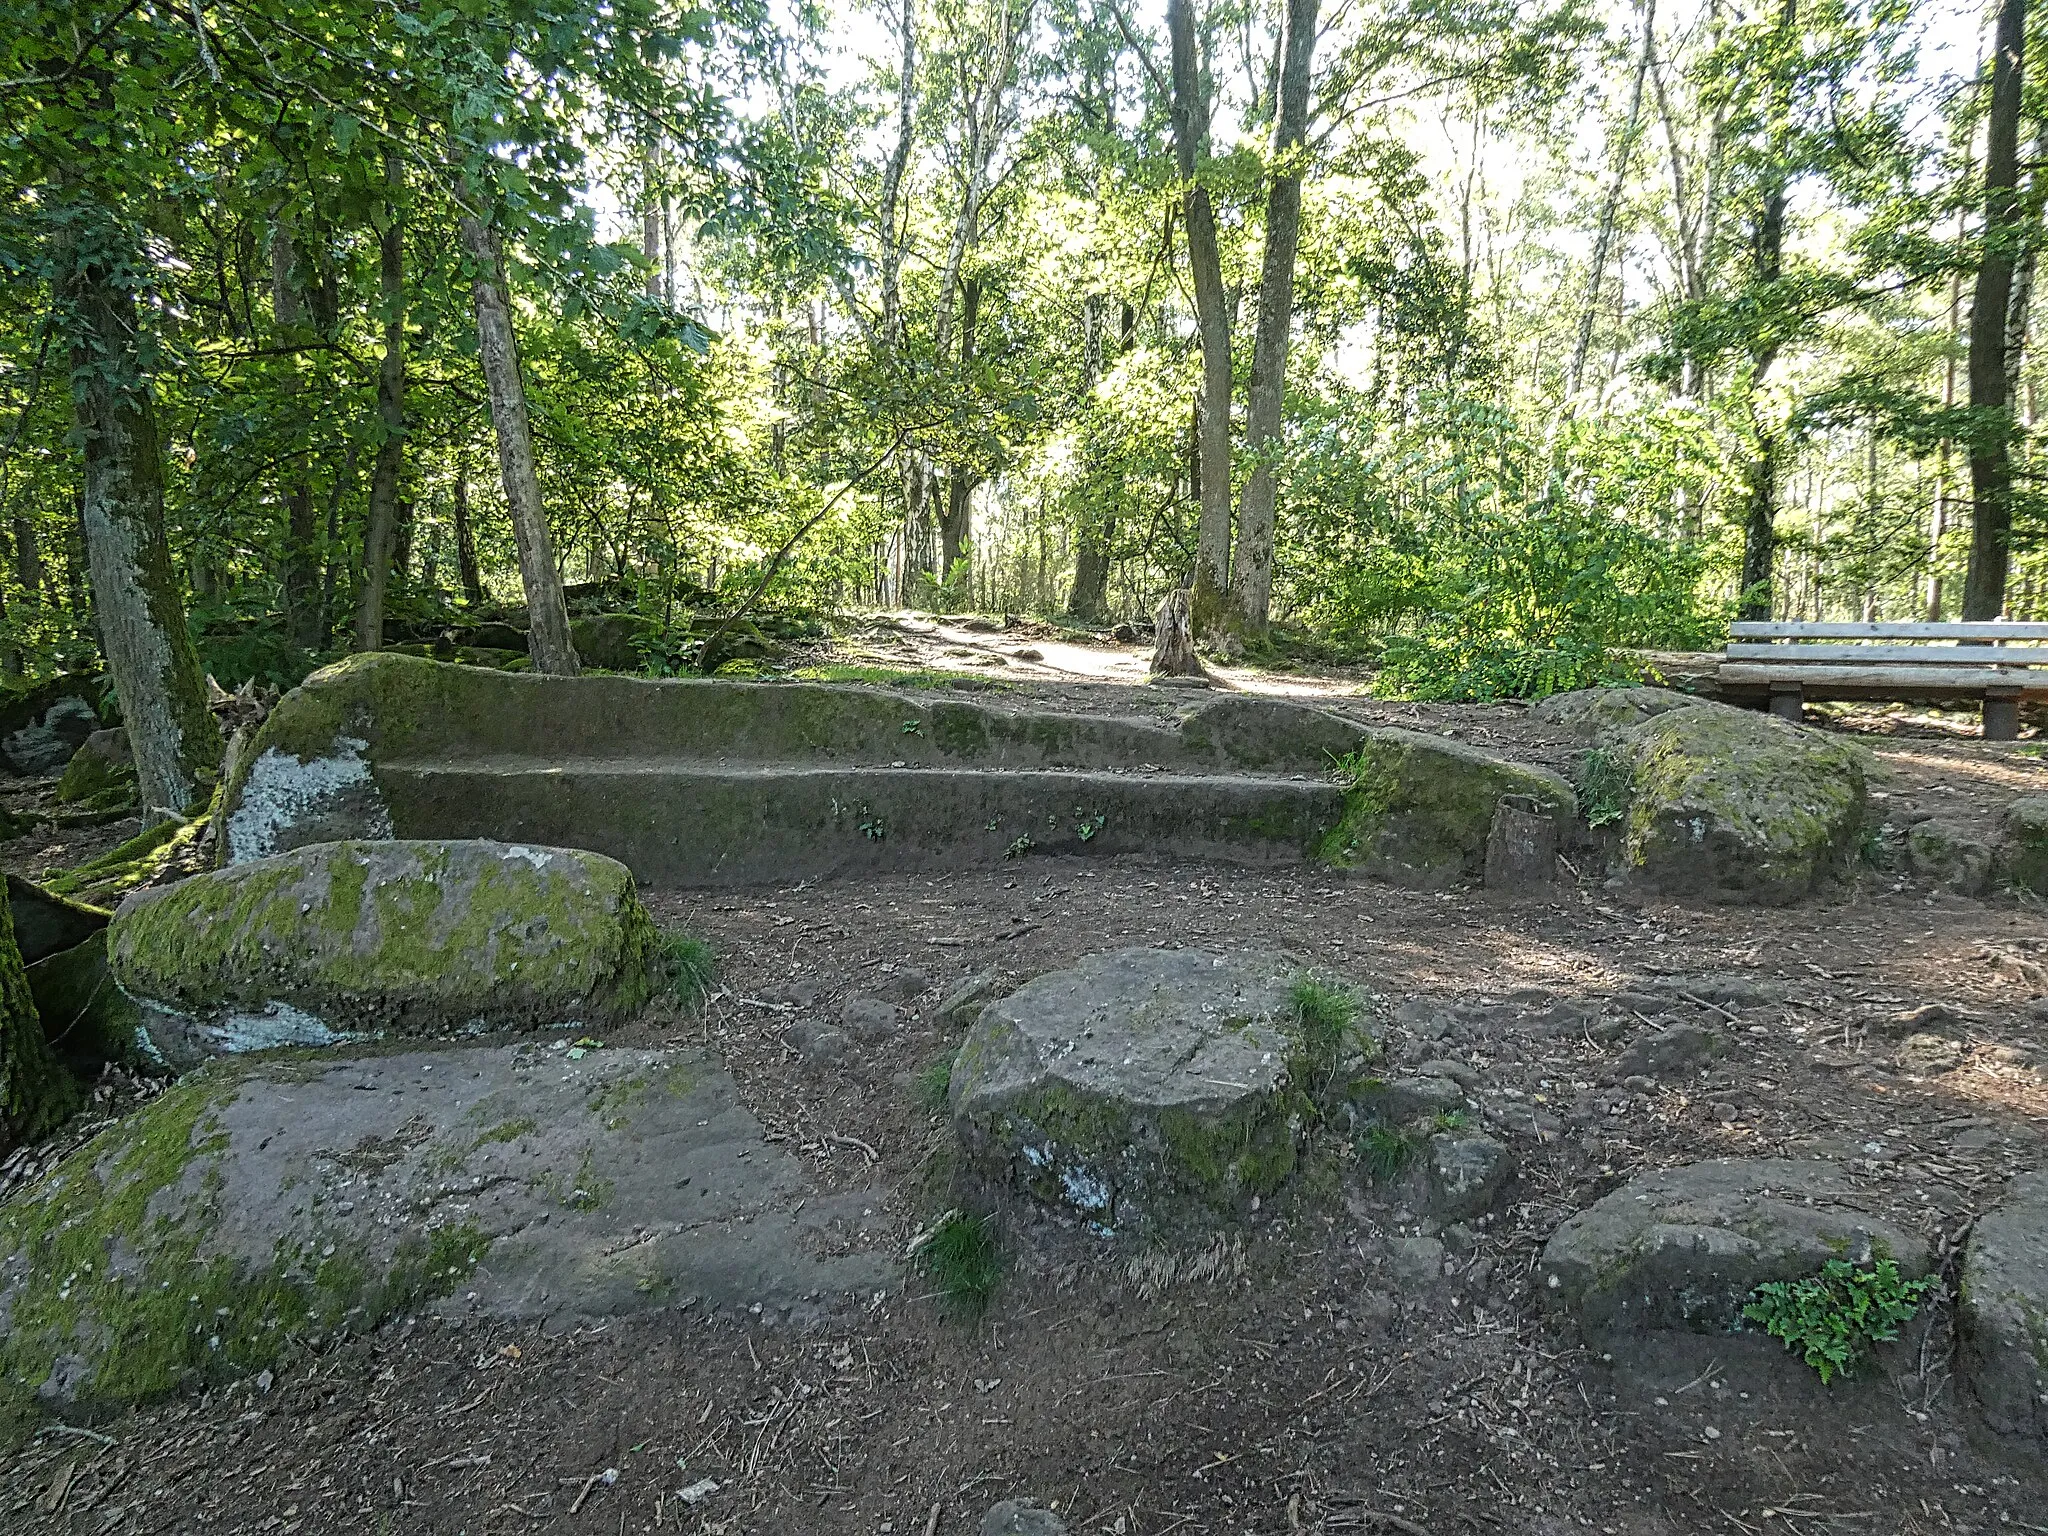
1312	1377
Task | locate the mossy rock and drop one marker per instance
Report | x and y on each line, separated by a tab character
267	1204
87	1019
1595	715
1147	1088
101	774
1950	856
2021	858
46	923
612	641
1731	805
402	937
1418	809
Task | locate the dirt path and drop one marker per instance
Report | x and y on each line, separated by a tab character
1315	1377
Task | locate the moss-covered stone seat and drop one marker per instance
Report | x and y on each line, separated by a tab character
268	1203
336	939
715	782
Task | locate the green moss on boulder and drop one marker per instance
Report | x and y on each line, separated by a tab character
1730	805
406	937
2022	855
1418	809
101	774
1595	715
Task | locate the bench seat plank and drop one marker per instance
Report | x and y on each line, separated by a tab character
1881	682
1785	629
1910	655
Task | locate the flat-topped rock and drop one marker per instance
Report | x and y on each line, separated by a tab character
2003	1309
264	1201
337	939
1143	1085
1683	1247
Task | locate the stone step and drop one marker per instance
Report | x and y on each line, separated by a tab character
684	823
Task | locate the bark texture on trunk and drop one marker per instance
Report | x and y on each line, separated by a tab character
301	564
1251	566
1173	644
136	598
1991	452
1610	209
1210	583
1759	530
548	640
1098	525
390	460
957	522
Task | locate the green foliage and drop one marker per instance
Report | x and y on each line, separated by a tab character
963	1260
1384	1152
929	1089
689	965
1833	1319
1325	1035
1603	786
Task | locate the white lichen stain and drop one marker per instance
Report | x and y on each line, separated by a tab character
278	1024
281	791
539	858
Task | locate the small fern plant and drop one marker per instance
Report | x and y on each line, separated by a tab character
1834	1318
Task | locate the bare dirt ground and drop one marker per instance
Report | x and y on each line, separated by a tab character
1312	1377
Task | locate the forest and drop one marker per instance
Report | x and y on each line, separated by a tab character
1485	341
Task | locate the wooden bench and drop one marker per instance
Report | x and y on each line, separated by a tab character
1788	663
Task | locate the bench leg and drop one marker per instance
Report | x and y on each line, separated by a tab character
1788	702
2001	717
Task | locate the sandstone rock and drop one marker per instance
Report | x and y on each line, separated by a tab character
869	1019
1465	1174
101	773
46	743
2021	857
46	923
964	1003
1729	805
1419	809
1402	1100
1684	1247
1673	1052
2003	1310
399	937
1948	855
905	984
1011	1518
1928	1055
263	1201
612	641
1594	715
1416	1260
1143	1085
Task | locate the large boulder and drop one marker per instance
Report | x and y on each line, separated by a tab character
1683	1247
2021	857
1948	855
1732	805
1418	809
1599	714
2003	1310
265	1203
346	938
1153	1087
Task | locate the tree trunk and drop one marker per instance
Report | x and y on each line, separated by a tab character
1611	208
1173	643
465	541
892	182
1098	526
1759	530
548	639
958	520
301	563
651	216
390	460
1991	448
1251	573
135	592
1210	583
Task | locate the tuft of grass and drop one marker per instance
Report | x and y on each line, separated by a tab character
930	1087
689	965
1325	1033
1603	787
878	677
1448	1120
1833	1319
963	1260
1384	1152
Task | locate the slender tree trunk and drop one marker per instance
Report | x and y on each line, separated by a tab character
390	460
548	639
650	216
1098	525
1210	584
135	592
1611	208
1252	564
957	521
301	564
1760	514
1991	448
465	540
892	182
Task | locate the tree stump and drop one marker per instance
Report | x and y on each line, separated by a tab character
1173	650
1521	850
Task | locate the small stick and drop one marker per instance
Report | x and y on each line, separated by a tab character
931	1522
583	1493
